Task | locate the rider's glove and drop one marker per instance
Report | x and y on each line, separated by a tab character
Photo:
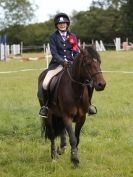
65	64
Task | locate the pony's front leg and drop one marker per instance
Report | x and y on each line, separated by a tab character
72	140
78	126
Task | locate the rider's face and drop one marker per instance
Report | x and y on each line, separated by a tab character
62	26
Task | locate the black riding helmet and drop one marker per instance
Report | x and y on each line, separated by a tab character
61	18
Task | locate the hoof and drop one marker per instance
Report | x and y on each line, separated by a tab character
43	133
54	160
61	151
75	162
54	155
74	158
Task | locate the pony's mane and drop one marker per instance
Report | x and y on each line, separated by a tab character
89	53
93	53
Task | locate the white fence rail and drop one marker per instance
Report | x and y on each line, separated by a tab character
6	50
15	49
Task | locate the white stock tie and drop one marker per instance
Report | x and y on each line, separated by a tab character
64	37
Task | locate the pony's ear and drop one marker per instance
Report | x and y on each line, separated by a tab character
93	46
81	49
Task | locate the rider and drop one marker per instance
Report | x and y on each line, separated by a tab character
64	48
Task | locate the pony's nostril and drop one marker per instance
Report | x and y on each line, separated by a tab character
101	86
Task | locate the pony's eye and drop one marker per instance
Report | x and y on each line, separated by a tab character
86	63
95	60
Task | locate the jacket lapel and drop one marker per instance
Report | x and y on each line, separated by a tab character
59	36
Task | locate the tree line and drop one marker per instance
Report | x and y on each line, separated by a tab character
104	20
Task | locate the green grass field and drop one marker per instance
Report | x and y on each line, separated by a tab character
106	141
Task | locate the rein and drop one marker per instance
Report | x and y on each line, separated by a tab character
90	83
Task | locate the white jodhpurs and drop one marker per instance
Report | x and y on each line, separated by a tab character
49	75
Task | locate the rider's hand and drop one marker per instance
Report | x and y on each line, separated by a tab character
65	64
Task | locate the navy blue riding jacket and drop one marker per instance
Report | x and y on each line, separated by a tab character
61	49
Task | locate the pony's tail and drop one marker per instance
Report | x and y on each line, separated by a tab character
53	129
58	125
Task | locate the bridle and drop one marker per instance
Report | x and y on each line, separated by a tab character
93	75
87	82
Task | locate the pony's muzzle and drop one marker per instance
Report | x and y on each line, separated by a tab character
100	86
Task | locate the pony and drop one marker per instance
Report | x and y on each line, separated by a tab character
70	105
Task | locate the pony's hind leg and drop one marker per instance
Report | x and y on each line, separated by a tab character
43	127
42	119
62	147
50	134
63	140
54	154
73	141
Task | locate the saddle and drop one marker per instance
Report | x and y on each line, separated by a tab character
53	88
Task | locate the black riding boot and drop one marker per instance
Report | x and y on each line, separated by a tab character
91	109
44	109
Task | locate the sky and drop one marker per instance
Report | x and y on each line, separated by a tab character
51	7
